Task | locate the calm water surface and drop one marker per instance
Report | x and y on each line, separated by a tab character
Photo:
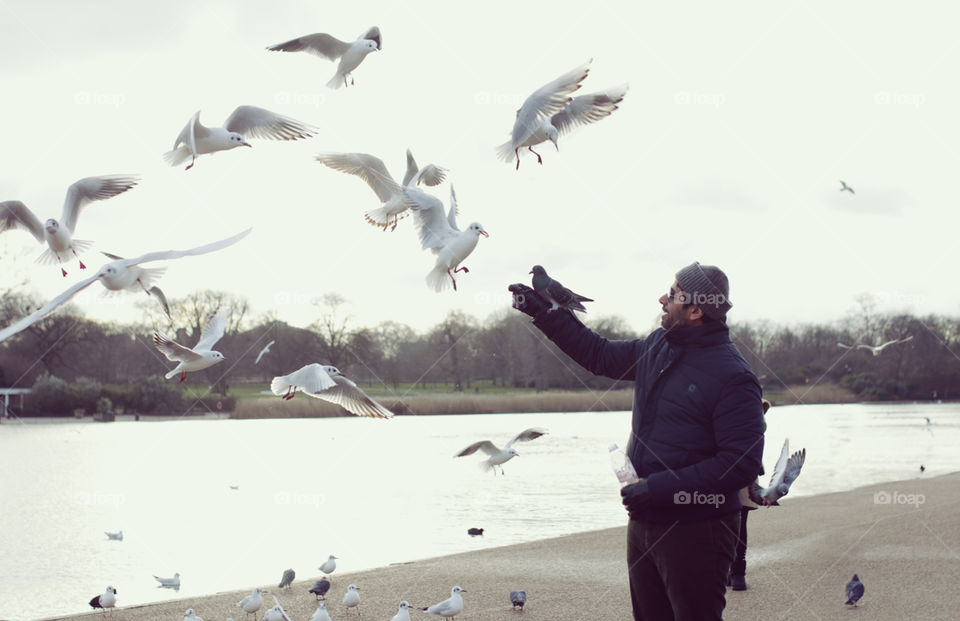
371	492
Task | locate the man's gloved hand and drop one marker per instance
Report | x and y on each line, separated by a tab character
635	496
527	300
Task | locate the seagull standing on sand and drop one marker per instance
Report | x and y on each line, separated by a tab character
322	381
58	235
350	55
202	355
114	536
321	586
846	188
351	599
439	233
330	564
246	121
263	351
321	614
555	293
287	579
191	616
854	591
450	607
107	600
252	603
169	583
784	474
117	276
403	612
372	170
498	457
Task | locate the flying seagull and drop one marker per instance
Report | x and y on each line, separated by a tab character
107	600
116	536
555	293
784	474
854	591
374	172
287	579
322	381
450	607
518	599
845	187
498	457
252	603
244	122
169	583
58	235
202	355
155	291
876	349
263	351
350	55
117	276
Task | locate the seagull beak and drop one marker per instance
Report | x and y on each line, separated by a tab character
484	233
246	144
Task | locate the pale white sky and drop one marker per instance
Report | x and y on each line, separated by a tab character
728	149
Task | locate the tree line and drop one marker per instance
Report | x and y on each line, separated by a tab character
503	349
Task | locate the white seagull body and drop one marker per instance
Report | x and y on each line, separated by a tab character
251	603
107	600
202	355
403	612
497	456
263	351
58	235
322	381
321	614
351	599
190	615
439	233
372	170
327	46
244	122
450	607
171	583
331	563
119	275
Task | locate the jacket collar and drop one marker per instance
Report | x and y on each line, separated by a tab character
711	333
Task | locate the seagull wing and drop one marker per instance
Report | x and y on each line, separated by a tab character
162	298
213	331
176	254
311	379
190	132
175	352
254	122
368	167
432	223
48	308
350	397
528	434
454	210
319	44
845	346
587	109
373	34
546	101
91	189
16	215
263	351
486	446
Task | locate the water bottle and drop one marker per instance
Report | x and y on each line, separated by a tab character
622	467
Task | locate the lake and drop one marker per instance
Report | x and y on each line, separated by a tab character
371	492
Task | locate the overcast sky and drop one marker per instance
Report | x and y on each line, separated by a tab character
728	149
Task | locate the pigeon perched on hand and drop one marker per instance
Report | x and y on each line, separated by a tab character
784	474
555	293
854	591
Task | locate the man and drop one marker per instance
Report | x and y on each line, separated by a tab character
697	438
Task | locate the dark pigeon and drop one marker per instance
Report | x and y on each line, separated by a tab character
474	531
320	588
287	579
854	591
555	293
518	599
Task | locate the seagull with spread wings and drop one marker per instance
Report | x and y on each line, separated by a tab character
202	355
119	275
498	456
263	351
58	235
876	349
322	381
244	122
327	46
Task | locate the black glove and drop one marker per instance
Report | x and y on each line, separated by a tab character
526	300
635	496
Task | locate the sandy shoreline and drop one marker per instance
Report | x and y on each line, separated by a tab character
906	551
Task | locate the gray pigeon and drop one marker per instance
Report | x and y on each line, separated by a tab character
555	293
287	579
784	473
518	599
320	588
854	590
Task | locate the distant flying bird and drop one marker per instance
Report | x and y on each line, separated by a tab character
845	187
450	607
374	172
202	355
263	351
854	591
555	293
244	122
322	381
116	536
439	233
518	599
320	587
119	275
252	603
190	615
922	468
550	112
876	349
287	579
784	474
351	599
107	600
329	565
321	614
845	346
169	583
58	235
474	532
498	457
403	612
234	487
350	54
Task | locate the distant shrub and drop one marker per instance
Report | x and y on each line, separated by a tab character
104	406
153	395
51	397
86	391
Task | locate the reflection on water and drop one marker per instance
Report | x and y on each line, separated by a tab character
231	504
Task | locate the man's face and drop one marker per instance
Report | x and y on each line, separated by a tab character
674	313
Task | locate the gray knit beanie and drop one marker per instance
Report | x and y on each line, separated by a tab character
705	286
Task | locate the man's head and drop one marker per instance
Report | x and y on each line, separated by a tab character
700	293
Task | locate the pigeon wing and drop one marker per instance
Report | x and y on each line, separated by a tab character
587	109
527	434
319	44
16	215
486	446
781	468
794	464
546	101
565	297
91	189
254	122
368	167
350	397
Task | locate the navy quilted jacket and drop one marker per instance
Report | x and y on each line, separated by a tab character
697	433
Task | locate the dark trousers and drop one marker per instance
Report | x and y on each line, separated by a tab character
678	572
739	567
